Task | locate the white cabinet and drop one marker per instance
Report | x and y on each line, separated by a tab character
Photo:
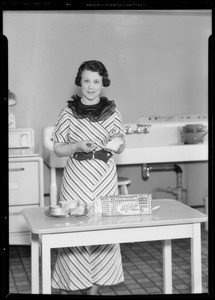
25	190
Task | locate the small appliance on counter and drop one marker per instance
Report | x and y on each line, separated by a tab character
21	142
193	133
11	117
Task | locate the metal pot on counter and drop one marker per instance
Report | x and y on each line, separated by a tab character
193	133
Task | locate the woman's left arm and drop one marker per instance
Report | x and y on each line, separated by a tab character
120	132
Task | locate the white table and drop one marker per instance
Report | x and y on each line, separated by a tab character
173	220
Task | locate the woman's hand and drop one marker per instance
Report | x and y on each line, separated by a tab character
121	148
86	146
64	149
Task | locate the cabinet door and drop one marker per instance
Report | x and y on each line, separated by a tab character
17	221
23	183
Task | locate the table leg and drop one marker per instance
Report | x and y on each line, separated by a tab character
35	287
167	266
196	264
46	267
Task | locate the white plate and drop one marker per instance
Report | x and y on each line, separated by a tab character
49	214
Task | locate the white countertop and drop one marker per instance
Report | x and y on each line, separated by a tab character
171	212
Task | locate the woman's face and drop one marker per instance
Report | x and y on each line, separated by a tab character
91	86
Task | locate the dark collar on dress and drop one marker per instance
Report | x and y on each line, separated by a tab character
95	112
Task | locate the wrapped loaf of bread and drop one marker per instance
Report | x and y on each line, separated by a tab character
116	205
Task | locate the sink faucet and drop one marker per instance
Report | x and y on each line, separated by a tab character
142	128
128	129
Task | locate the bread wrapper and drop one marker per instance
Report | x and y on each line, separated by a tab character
116	205
75	207
114	144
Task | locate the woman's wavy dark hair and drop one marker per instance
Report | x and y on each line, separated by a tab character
94	66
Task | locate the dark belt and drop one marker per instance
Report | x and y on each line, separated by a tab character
100	154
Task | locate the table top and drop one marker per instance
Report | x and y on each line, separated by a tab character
170	212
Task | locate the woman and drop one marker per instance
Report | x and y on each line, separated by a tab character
82	131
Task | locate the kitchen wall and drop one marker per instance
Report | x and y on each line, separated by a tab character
157	62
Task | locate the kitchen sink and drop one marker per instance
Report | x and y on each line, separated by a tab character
161	144
159	135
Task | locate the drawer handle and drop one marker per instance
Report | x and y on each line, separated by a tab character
16	169
17	213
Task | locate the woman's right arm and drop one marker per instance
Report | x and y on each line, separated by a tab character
64	149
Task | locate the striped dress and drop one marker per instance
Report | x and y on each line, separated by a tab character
81	267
